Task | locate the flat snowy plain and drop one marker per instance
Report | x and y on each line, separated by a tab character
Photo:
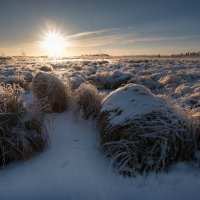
73	166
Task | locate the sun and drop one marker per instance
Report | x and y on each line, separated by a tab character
54	42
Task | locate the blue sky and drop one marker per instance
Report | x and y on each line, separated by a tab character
117	27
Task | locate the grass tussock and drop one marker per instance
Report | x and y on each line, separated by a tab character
18	79
51	90
150	141
46	68
22	131
194	116
103	80
88	101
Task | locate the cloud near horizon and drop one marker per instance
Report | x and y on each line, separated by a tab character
134	38
105	37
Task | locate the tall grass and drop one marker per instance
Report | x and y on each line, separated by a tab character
22	131
88	101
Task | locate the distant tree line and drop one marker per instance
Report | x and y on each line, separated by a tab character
188	54
102	55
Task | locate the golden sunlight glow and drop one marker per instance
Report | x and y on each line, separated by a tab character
55	43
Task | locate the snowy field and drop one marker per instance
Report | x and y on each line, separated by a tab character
74	166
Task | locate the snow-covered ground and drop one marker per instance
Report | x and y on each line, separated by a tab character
74	166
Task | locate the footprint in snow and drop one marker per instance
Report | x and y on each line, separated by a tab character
64	164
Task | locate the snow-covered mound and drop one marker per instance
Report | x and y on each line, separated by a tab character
141	132
130	101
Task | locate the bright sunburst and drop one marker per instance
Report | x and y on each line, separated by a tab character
55	43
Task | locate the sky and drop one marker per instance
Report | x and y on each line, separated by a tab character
115	27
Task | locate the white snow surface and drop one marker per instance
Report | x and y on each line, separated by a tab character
74	167
132	100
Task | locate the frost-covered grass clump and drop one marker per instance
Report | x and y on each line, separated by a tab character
46	68
76	81
88	101
51	90
14	75
170	80
103	80
142	133
183	90
17	79
147	80
110	80
193	100
22	131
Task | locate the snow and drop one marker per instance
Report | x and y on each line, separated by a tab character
133	100
73	167
183	90
76	81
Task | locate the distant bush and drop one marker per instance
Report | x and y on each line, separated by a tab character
46	68
88	101
52	90
120	78
92	56
182	90
22	131
169	80
109	80
76	81
77	68
103	80
30	68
